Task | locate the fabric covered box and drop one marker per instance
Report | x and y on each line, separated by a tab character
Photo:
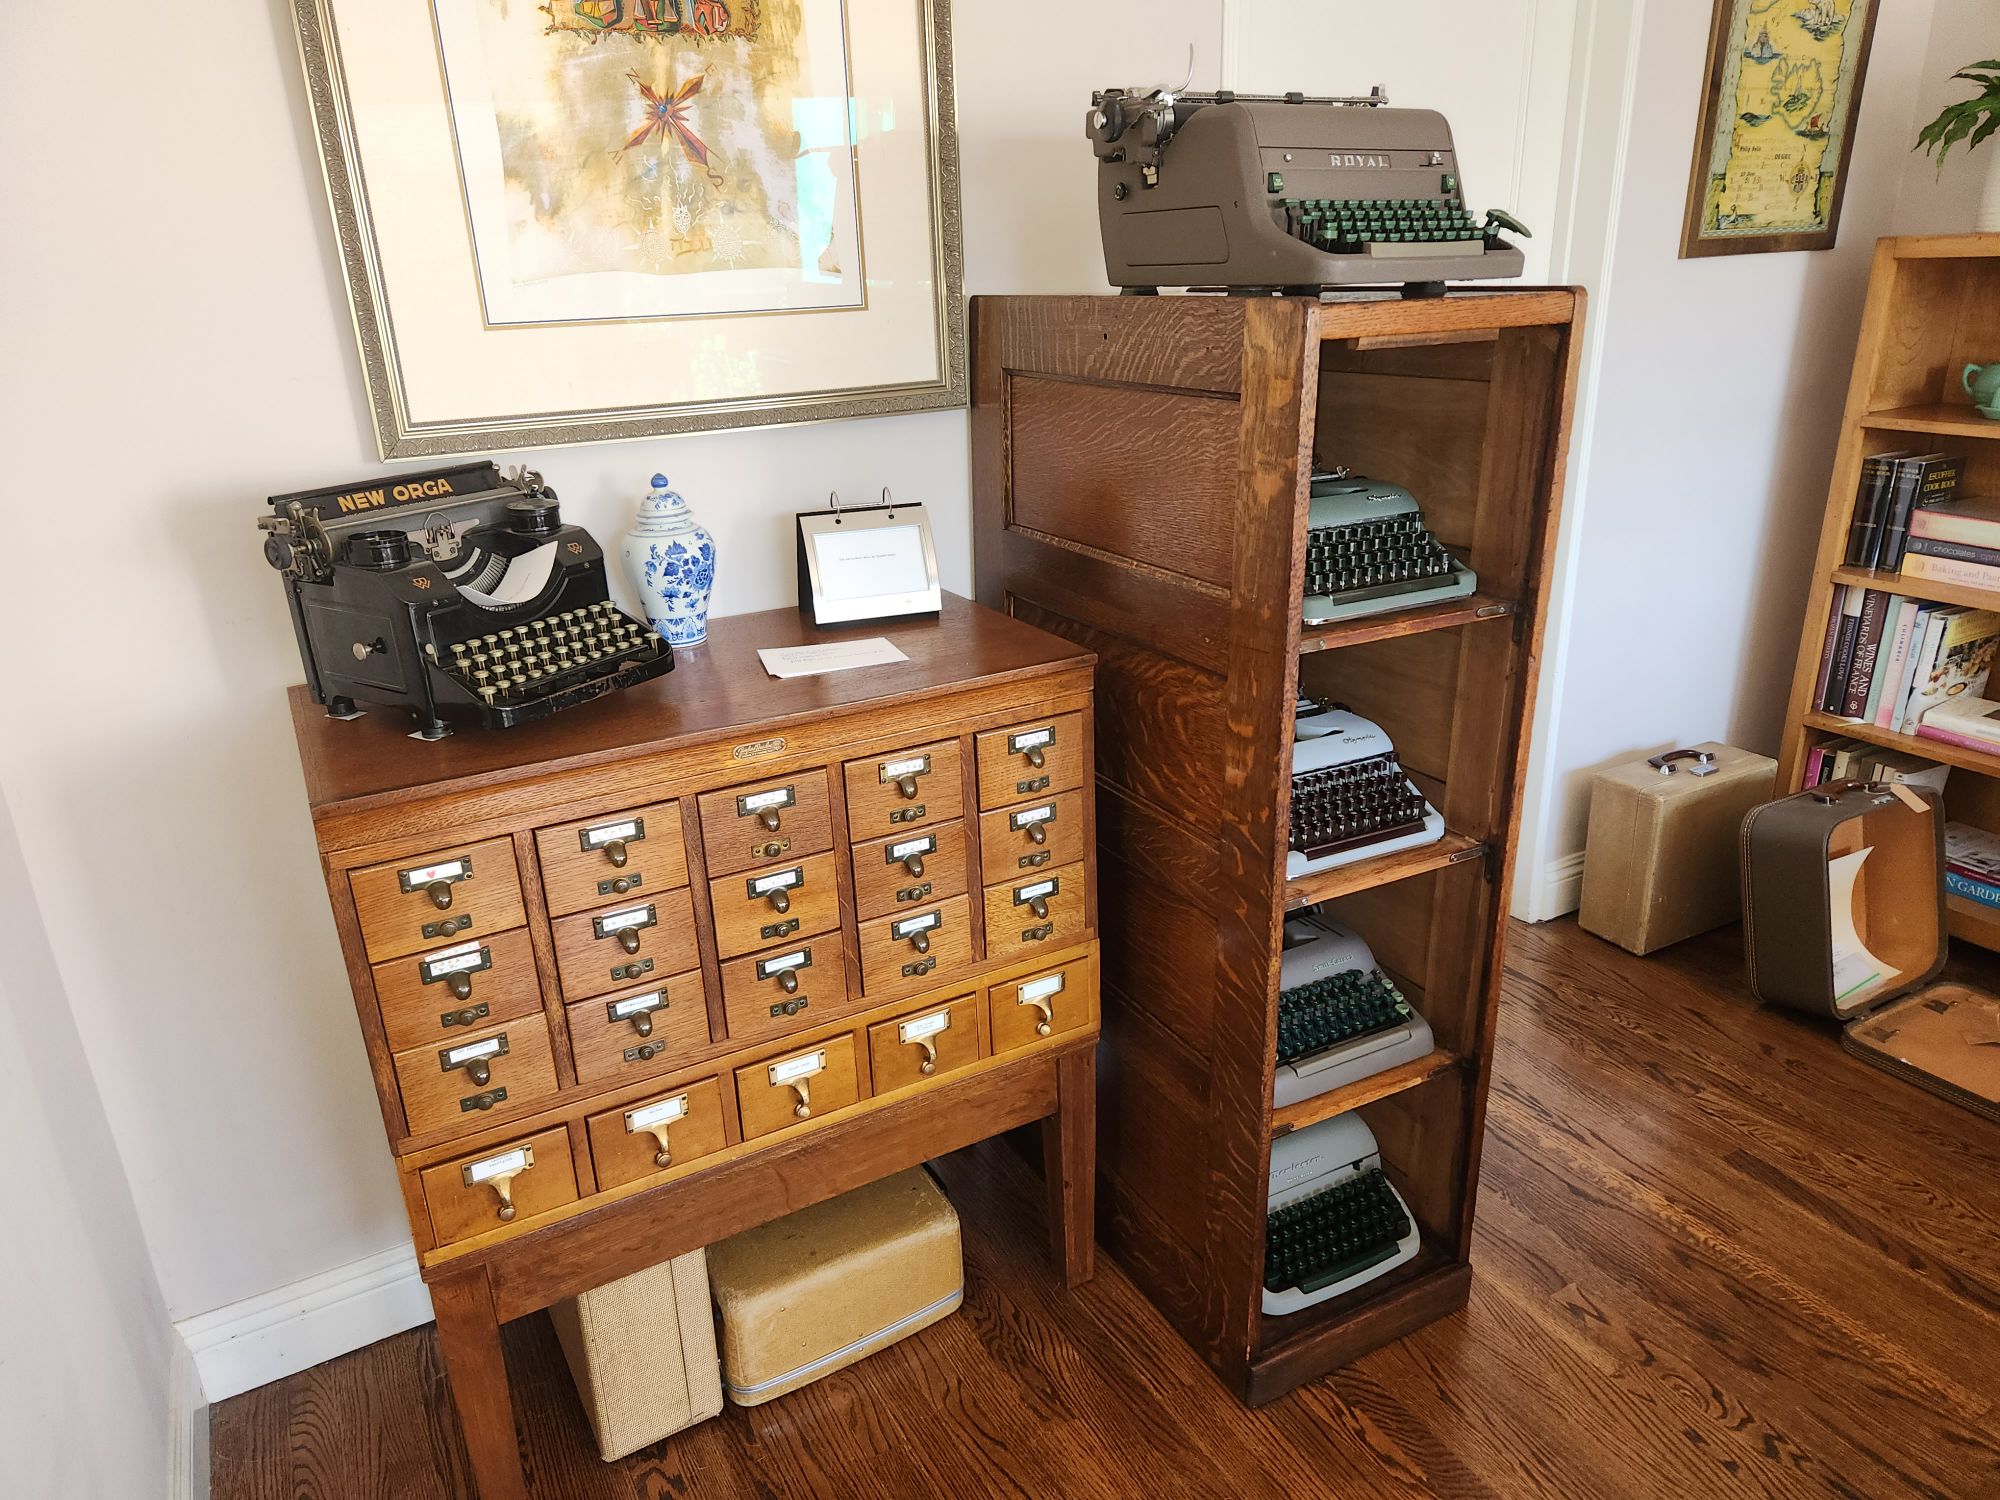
819	1289
642	1351
1659	861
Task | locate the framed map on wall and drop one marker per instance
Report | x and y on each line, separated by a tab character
1778	104
563	221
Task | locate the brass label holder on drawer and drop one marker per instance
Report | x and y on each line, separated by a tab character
476	1058
1034	821
904	774
784	967
435	880
1035	895
613	839
454	969
626	925
919	1033
765	806
1033	743
916	931
637	1009
498	1173
1040	993
909	853
796	1074
653	1119
776	888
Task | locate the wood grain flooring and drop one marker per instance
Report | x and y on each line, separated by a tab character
1716	1257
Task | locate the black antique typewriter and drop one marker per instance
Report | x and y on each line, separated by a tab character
1368	551
1340	1017
1350	796
1285	193
1333	1220
458	594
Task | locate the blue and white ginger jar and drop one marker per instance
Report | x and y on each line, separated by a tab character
672	563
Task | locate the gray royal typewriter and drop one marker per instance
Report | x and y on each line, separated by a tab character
1285	193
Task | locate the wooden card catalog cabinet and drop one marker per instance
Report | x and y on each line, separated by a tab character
671	964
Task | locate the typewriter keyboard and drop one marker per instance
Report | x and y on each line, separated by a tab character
1347	226
549	655
1348	806
1330	1235
1385	556
1337	1008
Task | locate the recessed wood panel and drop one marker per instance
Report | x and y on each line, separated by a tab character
905	870
1036	913
1037	834
772	903
441	1083
1111	503
648	1029
794	1087
904	789
908	951
623	1150
1407	684
897	1049
429	900
459	1209
764	822
594	959
602	859
1427	435
451	991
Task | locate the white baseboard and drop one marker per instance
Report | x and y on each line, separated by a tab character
278	1333
1557	890
187	1427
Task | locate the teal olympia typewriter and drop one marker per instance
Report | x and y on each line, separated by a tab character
1368	551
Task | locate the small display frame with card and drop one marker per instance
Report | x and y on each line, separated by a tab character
871	562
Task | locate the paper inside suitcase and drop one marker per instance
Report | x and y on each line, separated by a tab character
1945	1038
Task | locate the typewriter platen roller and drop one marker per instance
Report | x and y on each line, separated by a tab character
458	594
1285	193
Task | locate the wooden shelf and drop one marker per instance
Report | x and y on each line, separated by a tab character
1943	753
1331	1333
1919	588
1944	418
1337	633
1418	1070
1971	921
1384	869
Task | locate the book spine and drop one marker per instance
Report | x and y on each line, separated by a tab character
1904	686
1909	474
1930	731
1985	893
1951	570
1862	529
1830	645
1867	647
1938	484
1889	669
1924	546
1948	526
1843	656
1815	765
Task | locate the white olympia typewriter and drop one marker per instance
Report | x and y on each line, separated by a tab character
1340	1018
1334	1221
1350	797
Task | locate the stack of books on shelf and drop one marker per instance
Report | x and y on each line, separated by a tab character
1972	863
1890	660
1896	489
1852	760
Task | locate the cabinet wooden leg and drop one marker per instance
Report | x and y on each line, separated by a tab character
1069	1164
469	1341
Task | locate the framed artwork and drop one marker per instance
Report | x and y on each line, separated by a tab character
1778	102
581	220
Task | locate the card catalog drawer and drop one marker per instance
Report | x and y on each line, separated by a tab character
1037	835
1026	760
785	989
451	1085
907	869
638	1031
627	943
786	817
795	1086
773	903
916	950
1035	911
926	1044
449	992
433	899
652	1135
1023	1011
618	855
890	792
500	1186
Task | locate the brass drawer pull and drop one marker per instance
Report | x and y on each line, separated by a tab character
765	806
653	1119
448	926
482	1101
623	885
904	774
625	925
788	981
628	937
909	853
922	1033
498	1173
440	893
784	968
435	881
1038	934
776	888
1033	744
476	1058
645	1051
917	930
613	840
1041	994
636	1009
796	1074
455	967
1037	894
633	970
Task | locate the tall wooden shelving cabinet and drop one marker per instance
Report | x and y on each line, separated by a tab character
1933	307
1140	470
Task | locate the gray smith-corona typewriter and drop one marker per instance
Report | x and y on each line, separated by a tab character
1285	194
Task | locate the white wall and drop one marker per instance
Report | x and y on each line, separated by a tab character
84	1340
1934	201
176	348
1700	475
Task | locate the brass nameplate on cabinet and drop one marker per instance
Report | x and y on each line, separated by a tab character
757	749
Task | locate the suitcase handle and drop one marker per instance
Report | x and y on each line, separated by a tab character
1831	792
1704	762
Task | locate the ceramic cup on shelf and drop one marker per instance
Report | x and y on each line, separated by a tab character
671	560
1982	384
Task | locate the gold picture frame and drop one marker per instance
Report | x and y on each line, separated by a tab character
1782	91
445	373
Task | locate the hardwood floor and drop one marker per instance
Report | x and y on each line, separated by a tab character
1717	1256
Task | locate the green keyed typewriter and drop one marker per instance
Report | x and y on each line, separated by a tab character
1334	1220
1368	550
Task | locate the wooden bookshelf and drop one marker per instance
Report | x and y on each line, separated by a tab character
1933	307
1140	478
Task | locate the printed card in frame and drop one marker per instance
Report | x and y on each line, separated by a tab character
585	220
1779	101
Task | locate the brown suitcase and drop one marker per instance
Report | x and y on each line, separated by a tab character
1659	861
1806	895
